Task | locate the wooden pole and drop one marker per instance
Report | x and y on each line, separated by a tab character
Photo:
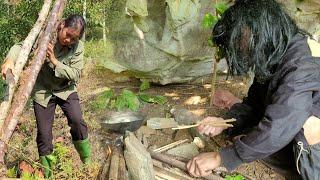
22	59
27	83
181	165
214	75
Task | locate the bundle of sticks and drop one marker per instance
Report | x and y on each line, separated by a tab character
213	123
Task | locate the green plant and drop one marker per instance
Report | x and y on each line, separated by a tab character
102	101
209	20
234	177
144	85
12	172
127	99
28	176
64	164
152	99
3	86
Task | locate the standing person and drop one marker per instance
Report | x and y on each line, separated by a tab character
56	85
279	119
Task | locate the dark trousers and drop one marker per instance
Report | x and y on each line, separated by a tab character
45	116
298	160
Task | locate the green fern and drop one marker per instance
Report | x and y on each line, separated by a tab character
152	99
144	85
12	172
127	99
103	100
234	177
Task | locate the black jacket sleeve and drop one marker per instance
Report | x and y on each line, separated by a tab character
284	117
250	111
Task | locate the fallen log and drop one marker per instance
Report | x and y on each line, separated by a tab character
22	59
27	83
181	165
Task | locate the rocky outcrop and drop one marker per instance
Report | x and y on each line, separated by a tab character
163	41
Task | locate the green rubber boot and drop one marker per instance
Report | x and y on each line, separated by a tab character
84	150
48	162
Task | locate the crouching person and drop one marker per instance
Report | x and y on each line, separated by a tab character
279	119
56	85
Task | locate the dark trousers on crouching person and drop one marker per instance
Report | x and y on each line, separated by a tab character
79	131
298	160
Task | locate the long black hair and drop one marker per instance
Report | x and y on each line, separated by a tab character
254	34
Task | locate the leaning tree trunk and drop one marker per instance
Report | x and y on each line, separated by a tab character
27	82
22	59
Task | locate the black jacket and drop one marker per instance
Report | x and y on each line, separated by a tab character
273	113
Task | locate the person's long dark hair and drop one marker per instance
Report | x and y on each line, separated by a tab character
254	35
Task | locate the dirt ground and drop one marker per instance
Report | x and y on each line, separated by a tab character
194	97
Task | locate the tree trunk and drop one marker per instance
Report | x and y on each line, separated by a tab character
104	35
27	82
84	14
22	59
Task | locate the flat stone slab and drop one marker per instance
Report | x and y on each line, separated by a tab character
138	159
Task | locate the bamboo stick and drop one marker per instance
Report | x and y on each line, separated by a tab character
169	146
215	123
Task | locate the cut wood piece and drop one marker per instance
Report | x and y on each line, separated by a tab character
161	123
114	165
22	59
181	165
123	173
105	169
23	93
138	159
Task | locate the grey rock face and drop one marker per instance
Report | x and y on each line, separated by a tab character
163	41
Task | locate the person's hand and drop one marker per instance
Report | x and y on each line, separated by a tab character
50	55
203	164
224	99
8	65
209	130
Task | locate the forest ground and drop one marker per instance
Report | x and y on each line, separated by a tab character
22	152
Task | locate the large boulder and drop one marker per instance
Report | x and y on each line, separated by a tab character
166	43
306	13
163	41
